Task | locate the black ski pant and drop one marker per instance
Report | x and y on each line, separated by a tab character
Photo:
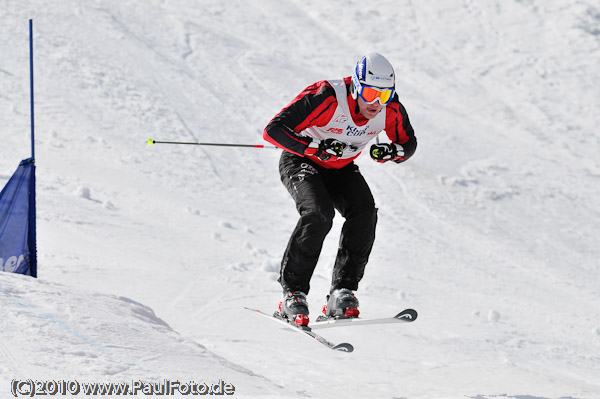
317	191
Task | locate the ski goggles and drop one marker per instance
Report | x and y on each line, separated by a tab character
370	94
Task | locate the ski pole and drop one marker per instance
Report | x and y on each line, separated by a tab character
152	141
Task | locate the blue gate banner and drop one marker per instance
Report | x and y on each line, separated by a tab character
17	222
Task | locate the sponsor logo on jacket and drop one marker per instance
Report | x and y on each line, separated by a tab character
354	131
341	119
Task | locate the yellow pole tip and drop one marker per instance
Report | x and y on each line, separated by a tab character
150	141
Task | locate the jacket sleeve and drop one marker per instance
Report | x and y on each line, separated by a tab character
398	128
313	107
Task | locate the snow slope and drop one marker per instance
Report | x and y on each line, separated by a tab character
83	336
147	255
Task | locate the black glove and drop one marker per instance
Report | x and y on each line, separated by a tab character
387	152
327	150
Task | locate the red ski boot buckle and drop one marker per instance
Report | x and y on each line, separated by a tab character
351	312
301	320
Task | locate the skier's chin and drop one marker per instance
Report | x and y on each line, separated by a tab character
371	113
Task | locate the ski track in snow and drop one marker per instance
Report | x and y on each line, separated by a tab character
149	254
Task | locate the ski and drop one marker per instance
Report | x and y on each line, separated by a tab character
305	330
406	316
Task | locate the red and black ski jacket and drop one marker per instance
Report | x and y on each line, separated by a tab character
316	105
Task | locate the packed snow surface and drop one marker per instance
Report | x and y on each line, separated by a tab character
147	255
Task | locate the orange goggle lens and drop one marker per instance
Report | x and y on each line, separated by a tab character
371	94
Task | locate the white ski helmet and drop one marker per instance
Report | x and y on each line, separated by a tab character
373	70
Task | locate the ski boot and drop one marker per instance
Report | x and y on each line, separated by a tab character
341	304
294	308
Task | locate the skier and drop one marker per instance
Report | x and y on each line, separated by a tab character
321	132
